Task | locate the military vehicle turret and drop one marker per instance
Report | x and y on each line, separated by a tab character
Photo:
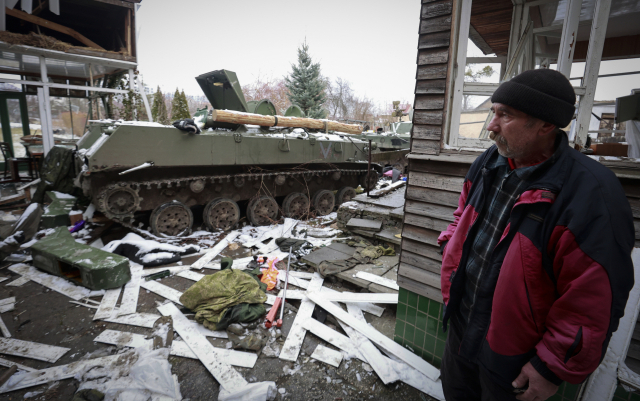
246	161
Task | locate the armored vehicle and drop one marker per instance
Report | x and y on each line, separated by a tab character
254	164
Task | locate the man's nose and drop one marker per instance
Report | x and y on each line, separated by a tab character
493	124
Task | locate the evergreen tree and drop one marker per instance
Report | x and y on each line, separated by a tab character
159	108
306	86
179	107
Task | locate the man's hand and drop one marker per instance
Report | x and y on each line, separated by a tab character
539	388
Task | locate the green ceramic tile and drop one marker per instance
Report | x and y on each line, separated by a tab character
434	309
570	391
399	329
397	338
409	332
421	321
441	334
412	299
429	343
411	315
401	313
402	296
423	304
428	357
439	352
432	326
418	338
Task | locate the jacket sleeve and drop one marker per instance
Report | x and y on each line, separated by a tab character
448	233
578	322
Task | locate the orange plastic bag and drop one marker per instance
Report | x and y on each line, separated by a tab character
270	275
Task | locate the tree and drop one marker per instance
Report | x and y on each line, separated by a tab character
305	85
474	76
268	88
179	106
159	109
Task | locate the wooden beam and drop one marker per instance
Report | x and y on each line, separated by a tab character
127	31
52	25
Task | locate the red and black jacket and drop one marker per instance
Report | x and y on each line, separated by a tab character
560	275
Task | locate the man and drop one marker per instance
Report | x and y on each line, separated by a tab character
536	267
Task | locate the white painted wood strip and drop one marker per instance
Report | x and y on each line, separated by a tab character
55	283
3	279
271	299
304	275
376	337
332	337
135	319
7	364
123	339
378	298
190	275
293	343
108	304
4	329
7	308
228	377
298	282
173	270
209	333
378	280
373	356
238	264
129	303
386	190
327	355
162	290
38	377
213	252
19	281
28	349
6	301
229	356
83	304
365	306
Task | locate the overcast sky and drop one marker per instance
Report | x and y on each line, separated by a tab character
370	43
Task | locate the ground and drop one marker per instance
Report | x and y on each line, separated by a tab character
44	316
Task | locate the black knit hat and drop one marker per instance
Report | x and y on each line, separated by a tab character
544	94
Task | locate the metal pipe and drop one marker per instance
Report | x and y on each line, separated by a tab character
368	169
286	283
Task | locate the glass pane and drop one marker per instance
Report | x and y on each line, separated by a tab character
15	118
475	110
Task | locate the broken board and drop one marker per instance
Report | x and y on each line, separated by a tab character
327	355
364	224
162	290
28	349
129	303
108	304
378	280
371	297
213	252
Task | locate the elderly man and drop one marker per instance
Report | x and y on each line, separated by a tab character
536	267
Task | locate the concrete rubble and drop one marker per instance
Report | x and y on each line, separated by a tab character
118	334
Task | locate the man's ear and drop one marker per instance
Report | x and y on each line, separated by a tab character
546	129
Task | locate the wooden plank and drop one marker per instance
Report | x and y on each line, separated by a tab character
422	249
427	117
422	262
228	377
213	252
28	349
3	328
56	373
172	270
431	40
437	24
162	290
436	9
135	319
433	56
378	298
129	302
635	207
430	210
7	308
434	196
433	132
19	281
108	304
178	348
383	191
437	167
436	71
378	280
429	102
420	275
425	146
365	306
419	234
303	275
7	301
427	222
376	337
332	337
55	283
430	86
293	343
7	364
436	181
420	289
53	26
327	355
190	275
